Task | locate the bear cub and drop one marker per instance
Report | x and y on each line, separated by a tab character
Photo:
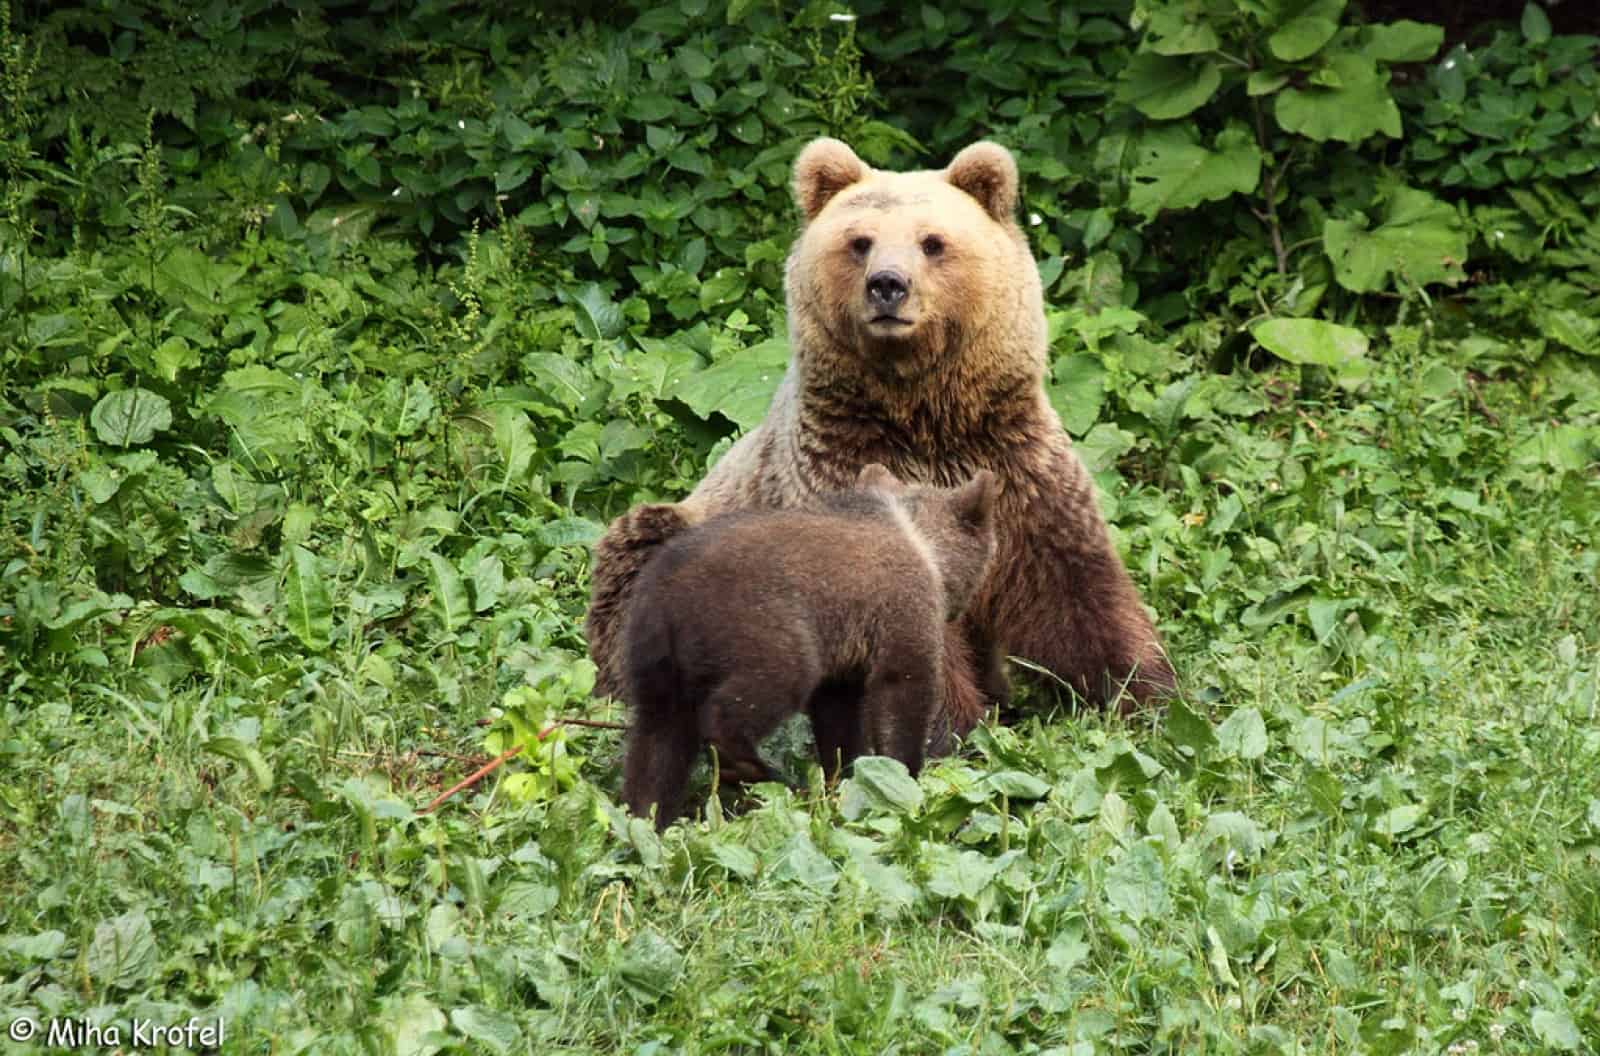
836	610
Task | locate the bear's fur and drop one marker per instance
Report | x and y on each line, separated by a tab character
917	336
837	610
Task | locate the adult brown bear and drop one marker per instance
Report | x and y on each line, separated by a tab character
917	340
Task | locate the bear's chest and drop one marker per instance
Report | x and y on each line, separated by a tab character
941	438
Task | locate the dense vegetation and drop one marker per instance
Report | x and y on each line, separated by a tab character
331	334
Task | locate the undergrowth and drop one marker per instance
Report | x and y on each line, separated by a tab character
332	335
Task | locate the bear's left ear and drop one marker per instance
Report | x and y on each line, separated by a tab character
988	172
822	170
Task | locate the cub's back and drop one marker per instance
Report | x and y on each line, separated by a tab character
849	560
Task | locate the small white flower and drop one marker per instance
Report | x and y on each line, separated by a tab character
841	17
1034	219
1449	64
1499	234
395	193
1496	1032
461	124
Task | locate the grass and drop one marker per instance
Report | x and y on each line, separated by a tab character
1385	841
295	510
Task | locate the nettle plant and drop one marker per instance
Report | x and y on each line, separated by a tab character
1265	105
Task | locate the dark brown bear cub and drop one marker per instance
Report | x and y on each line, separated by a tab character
838	611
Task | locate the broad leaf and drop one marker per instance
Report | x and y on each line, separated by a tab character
1350	104
1170	33
598	317
1313	341
1403	41
1579	331
1175	172
1078	392
247	754
959	873
739	387
1419	237
495	1030
650	966
123	952
1535	24
1189	730
450	602
1399	820
417	406
1555	1028
881	785
1243	734
307	608
131	416
1164	87
799	862
1137	886
414	1025
1306	33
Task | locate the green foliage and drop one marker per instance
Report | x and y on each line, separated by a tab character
332	335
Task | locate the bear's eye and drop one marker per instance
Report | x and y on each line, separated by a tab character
933	245
860	245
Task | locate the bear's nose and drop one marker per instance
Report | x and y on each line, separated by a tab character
887	289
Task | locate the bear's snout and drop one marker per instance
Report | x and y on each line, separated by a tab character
887	289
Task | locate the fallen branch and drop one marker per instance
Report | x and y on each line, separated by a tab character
490	767
592	723
473	778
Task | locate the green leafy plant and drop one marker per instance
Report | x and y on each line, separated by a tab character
532	715
331	337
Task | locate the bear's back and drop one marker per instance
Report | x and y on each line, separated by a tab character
824	581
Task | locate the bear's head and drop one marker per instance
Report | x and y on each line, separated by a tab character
956	525
904	269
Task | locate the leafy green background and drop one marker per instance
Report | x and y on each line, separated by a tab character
332	334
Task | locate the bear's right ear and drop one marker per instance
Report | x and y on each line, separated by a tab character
988	172
877	477
974	502
823	169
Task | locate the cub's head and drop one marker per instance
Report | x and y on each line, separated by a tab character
956	524
902	266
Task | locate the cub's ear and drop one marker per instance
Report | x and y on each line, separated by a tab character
823	169
988	172
877	477
974	501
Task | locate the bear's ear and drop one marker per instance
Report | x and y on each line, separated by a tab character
974	501
877	477
823	169
988	172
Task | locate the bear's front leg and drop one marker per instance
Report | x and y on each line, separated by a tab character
1060	596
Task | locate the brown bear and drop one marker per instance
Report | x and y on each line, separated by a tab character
837	610
917	338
